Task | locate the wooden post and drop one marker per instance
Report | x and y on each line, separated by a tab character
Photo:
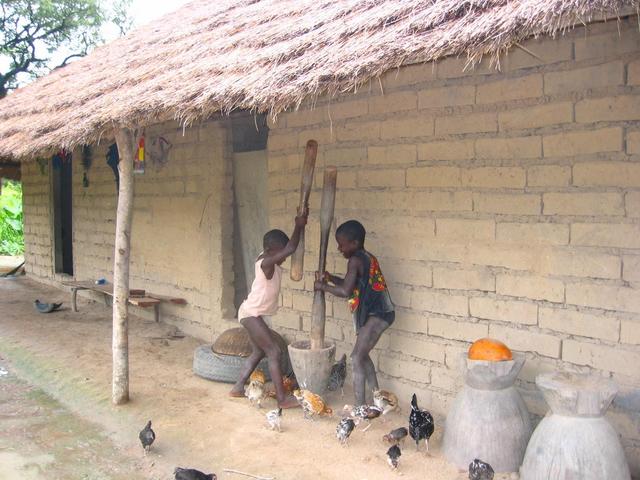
126	141
310	154
318	311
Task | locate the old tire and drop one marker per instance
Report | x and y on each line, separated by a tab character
226	368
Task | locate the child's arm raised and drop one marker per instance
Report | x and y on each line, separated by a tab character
346	286
270	260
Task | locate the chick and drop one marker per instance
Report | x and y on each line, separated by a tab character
289	383
385	400
421	424
192	474
311	404
363	412
393	456
338	375
147	436
344	429
273	418
396	436
479	470
255	392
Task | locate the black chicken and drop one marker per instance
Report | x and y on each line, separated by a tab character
147	436
393	456
479	470
192	474
421	424
338	375
46	307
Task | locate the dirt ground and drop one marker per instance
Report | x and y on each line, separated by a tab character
68	355
40	439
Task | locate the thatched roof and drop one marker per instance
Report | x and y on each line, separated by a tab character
269	55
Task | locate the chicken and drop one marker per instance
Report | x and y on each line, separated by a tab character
393	456
344	429
385	400
394	437
311	404
192	474
255	392
258	376
479	470
289	383
363	412
273	418
147	436
46	307
338	375
421	424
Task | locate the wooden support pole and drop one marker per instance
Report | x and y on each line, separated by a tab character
126	141
310	154
318	311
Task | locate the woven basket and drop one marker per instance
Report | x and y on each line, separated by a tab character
235	341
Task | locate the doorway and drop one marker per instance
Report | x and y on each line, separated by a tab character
62	212
250	198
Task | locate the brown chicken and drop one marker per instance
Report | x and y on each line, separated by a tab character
311	404
258	375
289	383
385	400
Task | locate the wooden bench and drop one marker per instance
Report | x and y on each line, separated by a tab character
137	297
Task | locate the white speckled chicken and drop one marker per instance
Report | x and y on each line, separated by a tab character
311	404
479	470
385	400
344	429
273	418
362	412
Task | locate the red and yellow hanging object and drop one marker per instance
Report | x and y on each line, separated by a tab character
138	161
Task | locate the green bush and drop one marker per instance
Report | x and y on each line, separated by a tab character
11	224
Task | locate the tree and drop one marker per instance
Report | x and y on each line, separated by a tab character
39	35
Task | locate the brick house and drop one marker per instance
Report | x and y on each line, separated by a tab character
495	165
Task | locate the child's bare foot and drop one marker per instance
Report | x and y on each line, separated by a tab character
234	393
289	402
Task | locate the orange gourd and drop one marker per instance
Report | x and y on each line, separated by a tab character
489	349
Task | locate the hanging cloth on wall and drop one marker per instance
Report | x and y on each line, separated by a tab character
112	160
157	150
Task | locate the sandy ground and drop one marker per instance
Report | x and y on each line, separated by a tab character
69	356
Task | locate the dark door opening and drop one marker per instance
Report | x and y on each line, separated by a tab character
62	213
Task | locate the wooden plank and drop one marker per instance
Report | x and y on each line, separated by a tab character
166	298
144	301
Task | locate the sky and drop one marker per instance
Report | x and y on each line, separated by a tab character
142	12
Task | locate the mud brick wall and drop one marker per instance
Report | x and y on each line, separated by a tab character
182	225
38	231
502	204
